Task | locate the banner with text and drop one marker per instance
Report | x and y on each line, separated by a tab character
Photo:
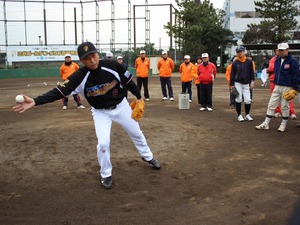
40	53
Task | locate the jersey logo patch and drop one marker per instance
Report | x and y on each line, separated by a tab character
101	89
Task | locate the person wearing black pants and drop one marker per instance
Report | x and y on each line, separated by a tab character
206	72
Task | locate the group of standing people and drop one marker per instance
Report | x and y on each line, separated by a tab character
283	70
165	66
203	72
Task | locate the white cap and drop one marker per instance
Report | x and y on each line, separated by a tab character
283	46
187	57
204	55
109	55
164	52
119	57
67	55
142	52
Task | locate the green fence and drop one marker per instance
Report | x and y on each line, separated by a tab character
41	72
27	73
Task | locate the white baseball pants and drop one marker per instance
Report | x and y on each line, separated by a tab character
244	92
277	98
103	121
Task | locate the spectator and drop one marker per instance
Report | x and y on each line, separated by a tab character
66	69
207	73
242	78
165	67
142	66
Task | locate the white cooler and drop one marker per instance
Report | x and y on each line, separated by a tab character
183	101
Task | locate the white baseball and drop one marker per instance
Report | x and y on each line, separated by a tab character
19	98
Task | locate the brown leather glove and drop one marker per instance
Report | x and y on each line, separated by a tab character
138	109
289	95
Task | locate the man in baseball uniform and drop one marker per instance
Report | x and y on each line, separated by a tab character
102	83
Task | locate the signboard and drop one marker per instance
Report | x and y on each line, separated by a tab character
40	53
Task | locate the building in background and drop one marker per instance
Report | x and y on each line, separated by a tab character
238	14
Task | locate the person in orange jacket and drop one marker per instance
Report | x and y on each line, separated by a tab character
142	66
165	67
66	69
270	71
227	75
187	72
207	73
197	81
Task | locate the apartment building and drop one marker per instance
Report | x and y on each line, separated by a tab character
240	13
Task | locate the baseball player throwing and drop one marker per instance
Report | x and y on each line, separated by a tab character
102	83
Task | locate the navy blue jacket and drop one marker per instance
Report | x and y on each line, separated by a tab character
242	72
288	73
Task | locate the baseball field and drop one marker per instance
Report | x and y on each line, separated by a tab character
215	170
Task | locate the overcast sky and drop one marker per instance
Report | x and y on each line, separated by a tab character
159	16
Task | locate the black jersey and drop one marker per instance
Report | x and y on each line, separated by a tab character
102	87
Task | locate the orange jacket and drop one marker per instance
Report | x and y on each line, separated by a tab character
195	72
165	67
142	67
208	73
187	72
227	74
66	71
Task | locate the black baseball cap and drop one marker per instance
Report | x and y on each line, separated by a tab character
85	49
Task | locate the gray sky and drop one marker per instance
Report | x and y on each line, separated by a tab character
159	16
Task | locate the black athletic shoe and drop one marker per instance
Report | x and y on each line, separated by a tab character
153	162
106	182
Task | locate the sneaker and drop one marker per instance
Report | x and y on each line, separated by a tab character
171	99
106	182
164	98
209	109
81	107
277	115
147	99
248	118
240	118
190	101
281	128
64	107
262	126
202	109
293	116
153	162
232	106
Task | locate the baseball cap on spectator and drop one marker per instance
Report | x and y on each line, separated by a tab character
85	49
119	57
67	55
142	52
204	55
240	49
283	46
187	57
109	55
164	52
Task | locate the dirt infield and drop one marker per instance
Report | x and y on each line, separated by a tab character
215	170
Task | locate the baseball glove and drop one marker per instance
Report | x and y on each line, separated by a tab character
138	108
234	93
289	95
